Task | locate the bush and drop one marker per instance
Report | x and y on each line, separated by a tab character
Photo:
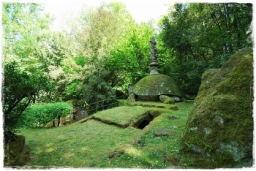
39	114
95	90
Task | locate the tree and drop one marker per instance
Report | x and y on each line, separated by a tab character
100	41
19	90
25	32
82	73
129	60
199	36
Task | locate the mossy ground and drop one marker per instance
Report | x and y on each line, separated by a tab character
121	116
158	105
94	144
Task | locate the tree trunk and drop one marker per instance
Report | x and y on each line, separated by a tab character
58	120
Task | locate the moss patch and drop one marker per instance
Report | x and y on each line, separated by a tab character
16	152
150	87
120	116
154	105
219	130
125	116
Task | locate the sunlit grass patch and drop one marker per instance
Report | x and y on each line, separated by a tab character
121	116
79	145
154	104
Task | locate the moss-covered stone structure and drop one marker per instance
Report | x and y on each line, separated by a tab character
219	130
151	87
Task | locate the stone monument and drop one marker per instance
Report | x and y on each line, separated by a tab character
153	57
155	85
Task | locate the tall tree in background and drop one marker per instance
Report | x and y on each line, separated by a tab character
129	60
105	48
25	32
86	48
199	36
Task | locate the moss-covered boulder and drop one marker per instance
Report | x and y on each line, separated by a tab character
166	99
16	152
151	87
219	130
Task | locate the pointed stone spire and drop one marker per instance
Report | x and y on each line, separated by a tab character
153	57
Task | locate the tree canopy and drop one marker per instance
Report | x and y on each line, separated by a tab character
199	36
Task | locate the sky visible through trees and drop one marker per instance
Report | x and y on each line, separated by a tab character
141	10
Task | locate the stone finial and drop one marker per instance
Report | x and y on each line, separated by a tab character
153	57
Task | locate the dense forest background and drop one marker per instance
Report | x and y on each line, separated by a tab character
104	50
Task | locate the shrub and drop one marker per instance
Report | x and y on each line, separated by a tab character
95	90
39	114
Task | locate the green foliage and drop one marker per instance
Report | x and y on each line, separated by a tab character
38	115
27	40
71	89
197	36
26	33
19	90
129	60
97	92
85	66
80	60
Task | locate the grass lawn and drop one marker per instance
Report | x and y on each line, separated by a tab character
150	104
94	144
121	116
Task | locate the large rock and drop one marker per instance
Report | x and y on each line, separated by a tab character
219	130
164	132
16	152
151	87
166	99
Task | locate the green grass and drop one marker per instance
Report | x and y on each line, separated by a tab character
157	152
79	145
121	116
150	104
94	144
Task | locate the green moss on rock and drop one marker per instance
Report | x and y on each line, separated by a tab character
166	99
16	152
150	87
219	130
